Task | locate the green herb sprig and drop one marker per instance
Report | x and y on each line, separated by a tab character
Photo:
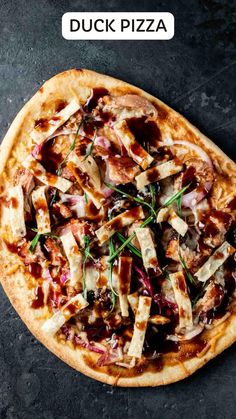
130	246
36	238
185	268
148	221
90	146
59	169
134	198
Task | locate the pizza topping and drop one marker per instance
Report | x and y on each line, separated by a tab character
41	207
182	298
74	257
124	279
117	223
107	205
128	106
44	128
150	261
214	262
140	326
72	307
201	176
157	173
134	149
47	178
15	200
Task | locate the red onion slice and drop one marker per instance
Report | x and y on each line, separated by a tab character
198	150
192	198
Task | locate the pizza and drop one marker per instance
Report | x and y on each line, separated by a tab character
118	231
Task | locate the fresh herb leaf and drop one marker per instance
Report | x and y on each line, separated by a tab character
130	246
188	274
53	198
134	198
34	242
46	234
145	222
72	147
179	205
130	238
175	196
90	146
85	197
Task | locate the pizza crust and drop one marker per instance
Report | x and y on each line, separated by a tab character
17	143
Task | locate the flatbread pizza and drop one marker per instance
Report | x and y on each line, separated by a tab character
117	231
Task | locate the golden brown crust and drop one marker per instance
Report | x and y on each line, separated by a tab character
16	144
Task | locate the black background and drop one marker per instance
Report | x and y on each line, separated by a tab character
195	74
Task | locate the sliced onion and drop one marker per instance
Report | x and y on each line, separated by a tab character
37	149
198	150
64	277
102	142
192	198
188	335
72	199
79	341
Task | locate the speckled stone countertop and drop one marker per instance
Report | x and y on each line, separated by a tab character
195	74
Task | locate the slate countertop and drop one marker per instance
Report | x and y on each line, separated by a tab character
195	74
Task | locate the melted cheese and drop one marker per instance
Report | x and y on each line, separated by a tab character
117	223
177	223
41	207
148	250
182	299
87	175
157	173
134	149
74	257
140	327
124	279
16	211
214	262
52	325
39	135
47	178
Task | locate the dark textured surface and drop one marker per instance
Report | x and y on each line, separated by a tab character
194	73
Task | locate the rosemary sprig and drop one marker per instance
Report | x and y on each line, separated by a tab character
59	169
185	268
72	147
175	196
129	239
179	205
90	146
134	198
147	221
130	246
34	242
36	238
